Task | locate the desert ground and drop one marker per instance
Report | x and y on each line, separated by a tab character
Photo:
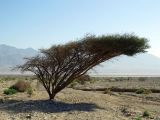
74	104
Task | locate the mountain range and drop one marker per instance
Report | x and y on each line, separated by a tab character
11	57
138	65
141	64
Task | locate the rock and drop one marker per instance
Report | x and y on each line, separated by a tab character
45	118
28	116
151	117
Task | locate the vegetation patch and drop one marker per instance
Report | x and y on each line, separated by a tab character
10	91
30	91
138	118
83	79
146	114
21	86
108	91
60	65
143	91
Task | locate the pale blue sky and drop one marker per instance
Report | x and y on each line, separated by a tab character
42	23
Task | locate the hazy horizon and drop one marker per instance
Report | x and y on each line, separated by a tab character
139	65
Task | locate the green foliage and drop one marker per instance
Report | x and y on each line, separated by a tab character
83	79
7	78
10	91
14	77
108	91
142	79
73	84
138	118
21	86
129	44
146	113
143	91
92	81
30	91
60	65
119	79
140	91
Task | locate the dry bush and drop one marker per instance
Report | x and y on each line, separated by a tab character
142	79
21	86
30	91
83	79
143	91
108	91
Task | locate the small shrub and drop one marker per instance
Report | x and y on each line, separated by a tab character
21	86
140	91
108	91
73	84
147	91
83	79
92	81
143	91
6	78
33	78
142	79
10	91
124	110
138	118
29	91
146	114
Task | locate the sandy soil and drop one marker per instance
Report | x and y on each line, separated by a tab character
73	104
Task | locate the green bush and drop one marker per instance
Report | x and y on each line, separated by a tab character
73	84
138	118
10	91
29	91
142	79
143	91
146	114
140	91
83	79
21	86
108	91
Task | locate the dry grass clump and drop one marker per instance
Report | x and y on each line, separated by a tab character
143	91
80	81
83	79
108	91
21	86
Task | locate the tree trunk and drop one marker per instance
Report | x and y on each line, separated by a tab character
52	96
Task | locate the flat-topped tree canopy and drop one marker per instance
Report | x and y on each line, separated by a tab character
59	65
125	44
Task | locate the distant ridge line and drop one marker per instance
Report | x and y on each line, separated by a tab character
125	76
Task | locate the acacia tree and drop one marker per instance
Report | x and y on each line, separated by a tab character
59	65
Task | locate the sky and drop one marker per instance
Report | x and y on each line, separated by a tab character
42	23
